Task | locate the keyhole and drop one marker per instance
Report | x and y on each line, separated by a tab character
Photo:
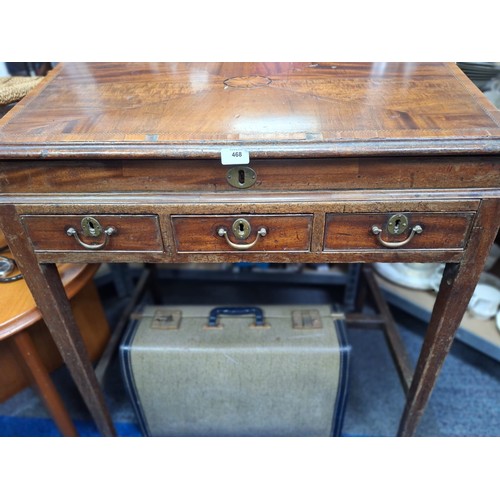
397	224
241	229
241	176
91	227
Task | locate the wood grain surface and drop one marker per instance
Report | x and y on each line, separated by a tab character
89	314
19	310
285	233
273	109
354	231
336	148
133	232
209	176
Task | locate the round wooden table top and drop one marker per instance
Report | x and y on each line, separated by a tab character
19	310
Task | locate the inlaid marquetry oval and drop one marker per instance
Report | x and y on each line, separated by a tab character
247	82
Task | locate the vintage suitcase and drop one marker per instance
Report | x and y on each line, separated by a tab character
258	371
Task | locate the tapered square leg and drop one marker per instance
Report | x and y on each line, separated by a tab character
48	291
457	286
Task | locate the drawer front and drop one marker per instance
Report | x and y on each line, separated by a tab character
219	233
417	231
97	176
128	233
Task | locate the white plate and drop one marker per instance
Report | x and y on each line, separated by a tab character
404	275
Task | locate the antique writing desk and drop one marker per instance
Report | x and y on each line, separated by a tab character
256	162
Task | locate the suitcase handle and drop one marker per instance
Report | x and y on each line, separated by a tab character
235	311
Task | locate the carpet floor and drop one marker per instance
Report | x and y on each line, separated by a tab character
465	401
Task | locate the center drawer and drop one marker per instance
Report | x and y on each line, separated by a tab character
248	233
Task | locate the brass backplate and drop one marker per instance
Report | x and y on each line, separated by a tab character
397	224
91	227
241	177
241	229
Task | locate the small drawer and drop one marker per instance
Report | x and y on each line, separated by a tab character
400	231
113	233
248	233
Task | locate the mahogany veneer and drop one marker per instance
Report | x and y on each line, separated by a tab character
336	151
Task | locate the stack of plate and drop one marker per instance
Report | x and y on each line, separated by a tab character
481	73
409	275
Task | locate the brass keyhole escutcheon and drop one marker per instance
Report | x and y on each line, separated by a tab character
91	227
241	177
241	229
397	224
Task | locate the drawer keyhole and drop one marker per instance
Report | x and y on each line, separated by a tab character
397	224
241	229
241	176
91	227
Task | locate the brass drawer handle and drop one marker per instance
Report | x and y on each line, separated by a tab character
96	246
242	246
414	230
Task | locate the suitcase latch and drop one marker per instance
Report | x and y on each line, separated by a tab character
166	319
306	319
